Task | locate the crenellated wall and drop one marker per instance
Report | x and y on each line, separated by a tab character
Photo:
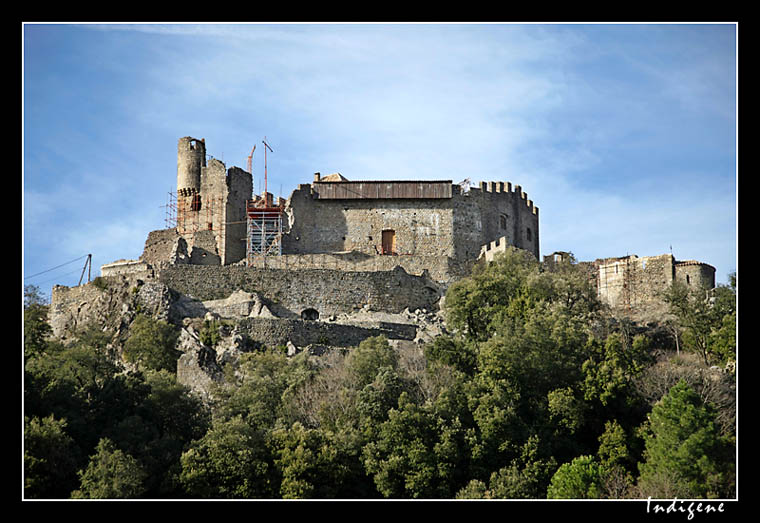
493	211
455	227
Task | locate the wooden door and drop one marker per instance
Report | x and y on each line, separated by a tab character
389	242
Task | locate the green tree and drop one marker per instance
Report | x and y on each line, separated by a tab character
231	460
84	385
526	477
151	344
110	474
579	479
50	458
372	354
163	426
615	461
376	400
37	331
260	389
308	463
416	454
457	352
703	319
684	451
722	339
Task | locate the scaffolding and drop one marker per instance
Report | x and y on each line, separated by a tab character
264	229
170	220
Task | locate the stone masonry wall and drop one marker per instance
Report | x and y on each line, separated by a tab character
422	226
239	189
442	270
330	292
163	246
493	211
273	332
695	274
455	227
635	283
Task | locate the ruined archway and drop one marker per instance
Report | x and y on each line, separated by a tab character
310	314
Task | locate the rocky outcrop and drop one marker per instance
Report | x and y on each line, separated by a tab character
244	321
108	303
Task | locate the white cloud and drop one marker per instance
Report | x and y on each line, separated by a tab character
534	105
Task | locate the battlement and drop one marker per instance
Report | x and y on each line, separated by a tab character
506	188
491	249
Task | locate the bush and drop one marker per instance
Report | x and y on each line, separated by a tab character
151	344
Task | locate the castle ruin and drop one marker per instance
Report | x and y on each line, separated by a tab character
338	245
434	226
334	251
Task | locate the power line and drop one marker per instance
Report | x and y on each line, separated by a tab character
56	267
58	277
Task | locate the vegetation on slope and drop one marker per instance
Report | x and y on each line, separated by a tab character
536	393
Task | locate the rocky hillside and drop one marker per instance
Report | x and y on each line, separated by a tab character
241	322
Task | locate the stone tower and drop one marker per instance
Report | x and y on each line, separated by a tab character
210	205
191	158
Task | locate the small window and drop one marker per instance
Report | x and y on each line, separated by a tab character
195	205
503	221
530	235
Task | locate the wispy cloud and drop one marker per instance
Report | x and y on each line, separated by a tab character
583	117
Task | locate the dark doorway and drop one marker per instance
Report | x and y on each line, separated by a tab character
310	314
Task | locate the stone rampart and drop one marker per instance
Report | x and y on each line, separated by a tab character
274	332
290	292
440	269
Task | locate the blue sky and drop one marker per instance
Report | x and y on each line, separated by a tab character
623	135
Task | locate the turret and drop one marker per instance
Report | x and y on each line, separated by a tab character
191	157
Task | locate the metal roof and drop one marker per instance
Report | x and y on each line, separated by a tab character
382	189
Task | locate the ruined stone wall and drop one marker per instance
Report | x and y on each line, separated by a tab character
205	249
163	246
442	270
211	198
633	284
273	332
126	267
239	189
330	292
